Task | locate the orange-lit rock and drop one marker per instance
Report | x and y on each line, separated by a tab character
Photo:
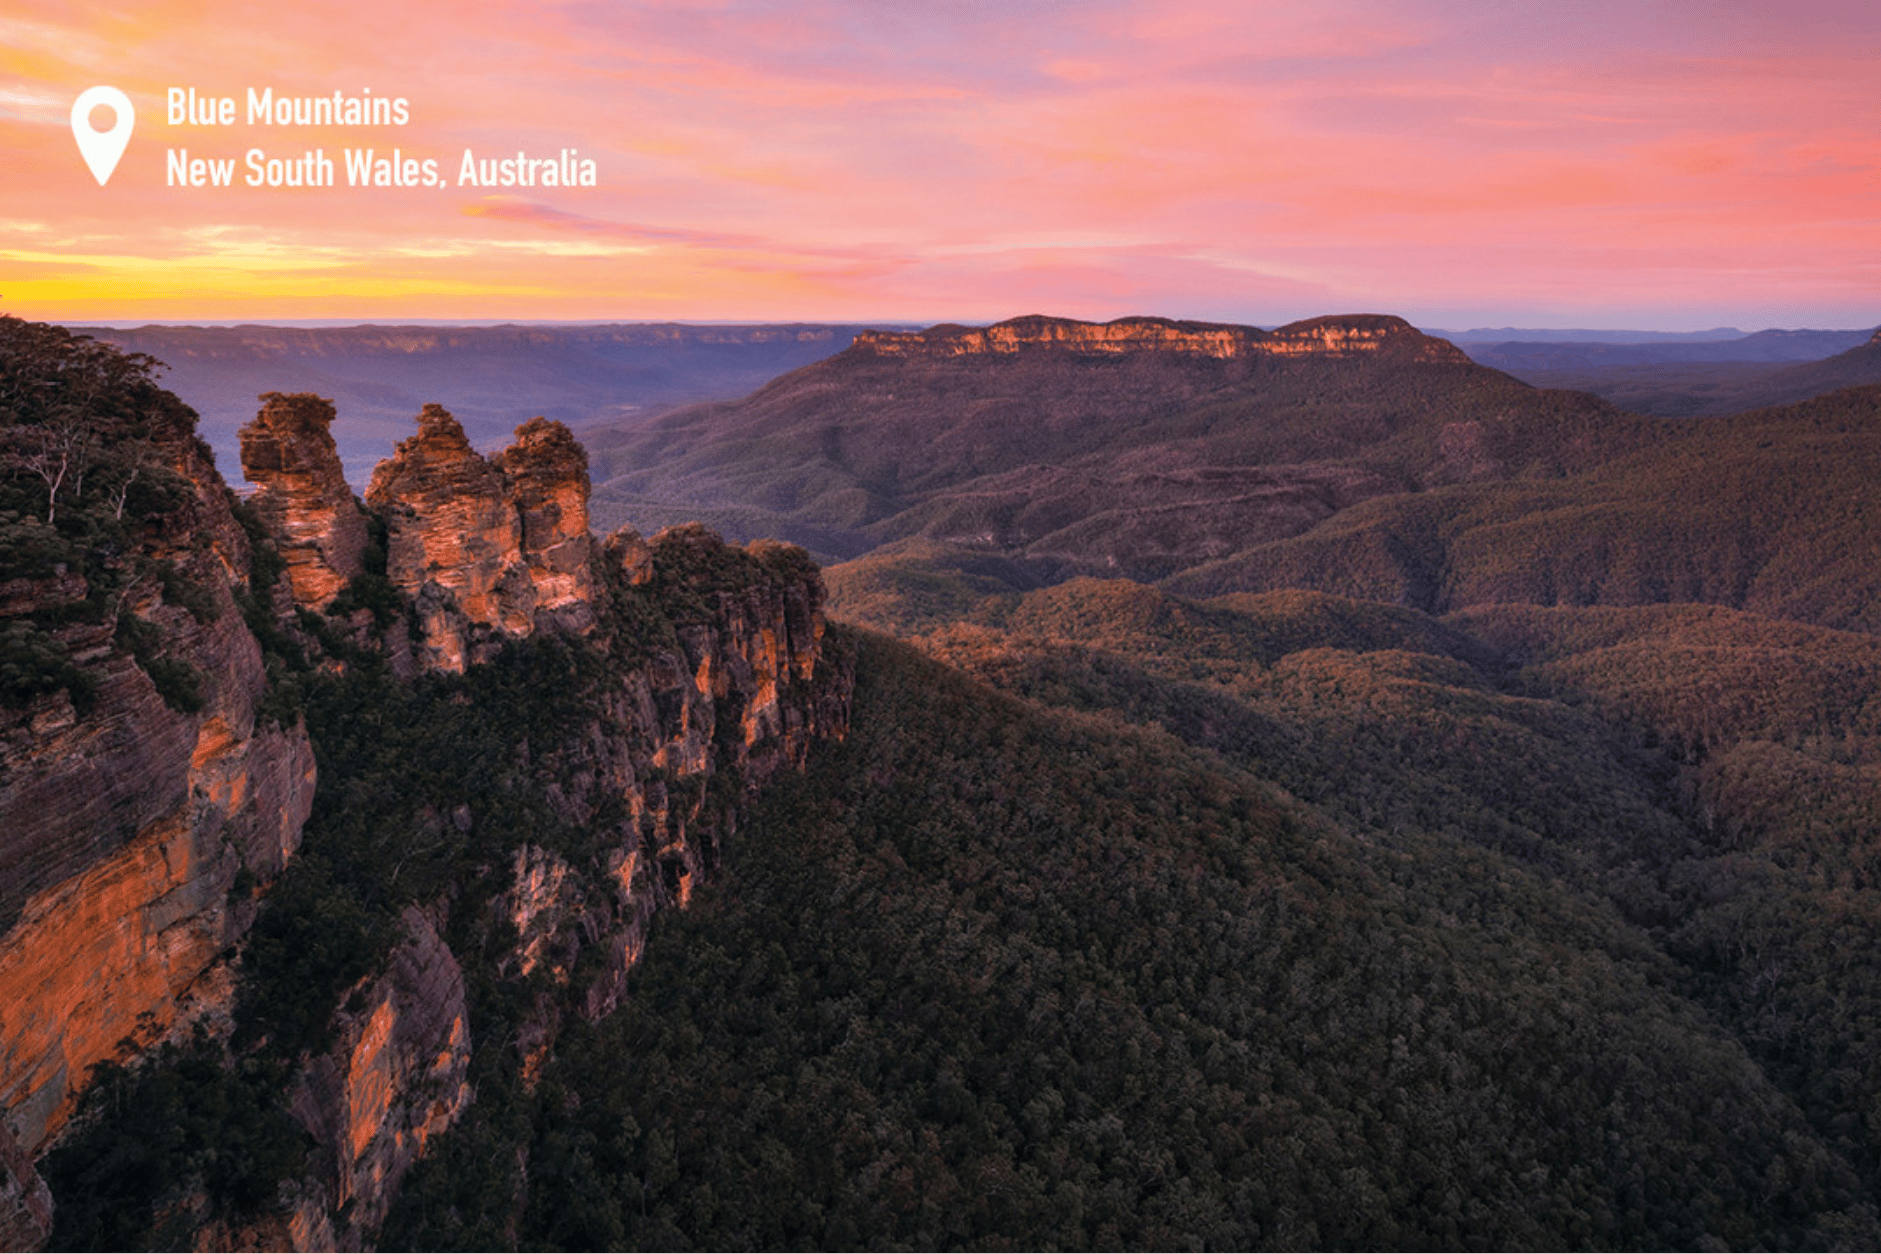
394	1080
120	835
124	827
487	549
630	554
452	538
1338	336
117	894
115	953
302	496
547	472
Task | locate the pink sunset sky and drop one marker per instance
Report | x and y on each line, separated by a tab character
1666	165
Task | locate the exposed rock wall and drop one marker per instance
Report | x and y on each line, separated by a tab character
121	893
138	820
678	738
288	451
1340	336
487	550
492	549
394	1079
547	474
746	695
124	829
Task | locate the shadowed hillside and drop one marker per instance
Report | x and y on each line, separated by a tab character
1714	776
1773	511
1137	447
994	974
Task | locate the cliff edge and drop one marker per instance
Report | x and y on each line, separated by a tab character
175	662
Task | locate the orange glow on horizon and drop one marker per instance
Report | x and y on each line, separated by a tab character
1678	165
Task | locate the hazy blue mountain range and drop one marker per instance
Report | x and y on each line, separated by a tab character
1679	379
491	377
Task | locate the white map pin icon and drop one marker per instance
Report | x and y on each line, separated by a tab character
101	149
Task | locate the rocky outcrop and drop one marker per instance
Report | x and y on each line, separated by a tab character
139	826
395	1078
547	475
288	452
25	1201
1361	335
487	550
745	695
127	824
123	833
1352	335
453	542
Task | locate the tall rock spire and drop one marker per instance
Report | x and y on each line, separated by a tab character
288	452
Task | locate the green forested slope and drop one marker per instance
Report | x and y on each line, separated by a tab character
993	975
1711	774
1774	511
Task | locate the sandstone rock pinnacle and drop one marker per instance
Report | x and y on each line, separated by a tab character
288	452
484	547
547	471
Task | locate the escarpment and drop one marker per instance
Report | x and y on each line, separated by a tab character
660	684
144	798
1349	335
302	495
487	550
169	870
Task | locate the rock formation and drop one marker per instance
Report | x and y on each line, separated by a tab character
138	827
288	451
1348	335
547	473
125	826
486	549
394	1079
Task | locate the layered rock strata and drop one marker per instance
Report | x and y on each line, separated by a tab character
302	495
135	837
125	828
486	550
395	1078
492	549
1352	335
546	471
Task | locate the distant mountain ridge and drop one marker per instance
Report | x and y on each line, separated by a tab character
1763	346
1557	335
1683	380
1353	334
492	377
1133	447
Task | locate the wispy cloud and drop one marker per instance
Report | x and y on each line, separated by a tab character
1680	162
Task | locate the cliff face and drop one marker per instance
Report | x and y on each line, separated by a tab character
745	695
546	473
395	1078
157	773
288	452
125	829
712	674
134	799
1339	336
487	550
